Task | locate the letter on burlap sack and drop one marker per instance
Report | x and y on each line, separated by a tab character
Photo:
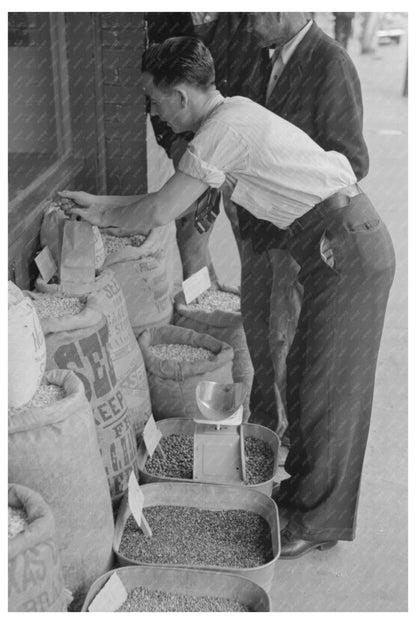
35	575
173	384
54	450
106	296
86	352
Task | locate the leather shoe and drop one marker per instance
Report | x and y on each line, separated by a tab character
293	547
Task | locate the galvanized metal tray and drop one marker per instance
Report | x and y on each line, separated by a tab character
188	582
214	498
185	426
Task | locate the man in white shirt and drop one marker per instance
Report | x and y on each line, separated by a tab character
333	232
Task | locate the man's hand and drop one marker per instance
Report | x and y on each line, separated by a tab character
90	207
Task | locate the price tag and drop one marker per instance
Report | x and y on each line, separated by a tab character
136	503
151	436
46	264
111	596
195	285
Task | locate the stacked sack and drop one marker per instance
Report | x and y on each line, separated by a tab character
217	312
27	351
53	449
140	265
176	360
106	296
77	338
35	575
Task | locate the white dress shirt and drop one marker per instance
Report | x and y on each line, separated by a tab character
280	58
277	170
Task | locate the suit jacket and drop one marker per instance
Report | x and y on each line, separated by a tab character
319	91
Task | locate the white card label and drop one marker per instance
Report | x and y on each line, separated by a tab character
195	285
151	436
111	596
135	498
46	264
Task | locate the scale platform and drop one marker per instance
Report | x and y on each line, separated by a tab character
219	438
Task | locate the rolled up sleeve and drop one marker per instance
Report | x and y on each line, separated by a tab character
214	151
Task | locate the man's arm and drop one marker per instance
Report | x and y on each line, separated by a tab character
148	212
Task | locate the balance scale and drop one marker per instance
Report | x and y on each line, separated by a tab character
219	439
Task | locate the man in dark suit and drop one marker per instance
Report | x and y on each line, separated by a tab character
312	83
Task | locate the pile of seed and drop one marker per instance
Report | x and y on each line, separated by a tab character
18	521
115	243
259	460
234	538
45	395
143	599
180	352
51	306
213	299
179	458
64	203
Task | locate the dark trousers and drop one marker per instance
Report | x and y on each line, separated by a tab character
347	263
347	266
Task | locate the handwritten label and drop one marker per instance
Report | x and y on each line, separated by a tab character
195	285
151	436
136	503
111	596
46	264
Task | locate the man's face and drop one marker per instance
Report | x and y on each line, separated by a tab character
268	29
166	104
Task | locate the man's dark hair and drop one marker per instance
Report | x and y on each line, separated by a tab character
179	59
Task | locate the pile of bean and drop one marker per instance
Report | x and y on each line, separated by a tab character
180	352
45	395
115	243
49	306
18	521
213	299
179	458
234	538
64	203
148	600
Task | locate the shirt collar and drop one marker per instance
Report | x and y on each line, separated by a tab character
216	99
288	49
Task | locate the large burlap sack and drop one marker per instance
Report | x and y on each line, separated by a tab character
35	575
86	352
107	297
223	325
142	273
27	354
54	450
51	234
173	384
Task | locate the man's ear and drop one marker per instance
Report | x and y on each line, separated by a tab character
183	97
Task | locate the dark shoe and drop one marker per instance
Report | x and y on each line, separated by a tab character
294	547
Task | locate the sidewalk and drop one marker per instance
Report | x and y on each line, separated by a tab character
369	574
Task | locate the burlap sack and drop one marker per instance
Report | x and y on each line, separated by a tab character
54	450
35	575
226	326
142	273
27	353
173	384
86	352
106	296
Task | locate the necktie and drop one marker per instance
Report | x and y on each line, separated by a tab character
277	68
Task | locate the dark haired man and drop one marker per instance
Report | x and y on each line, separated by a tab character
333	232
313	84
